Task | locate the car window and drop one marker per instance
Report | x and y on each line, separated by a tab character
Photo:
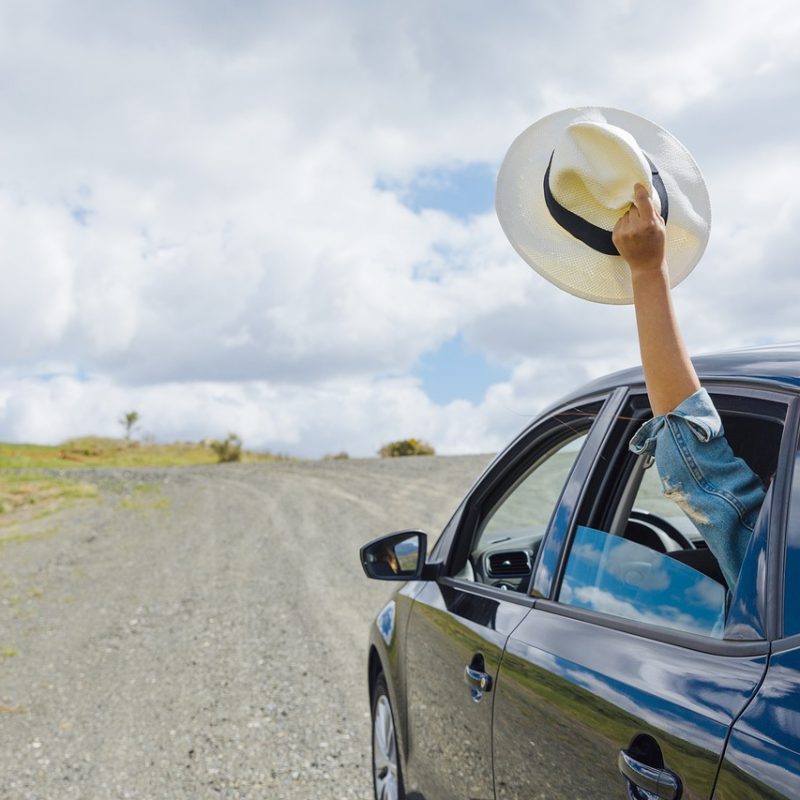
512	527
636	554
616	576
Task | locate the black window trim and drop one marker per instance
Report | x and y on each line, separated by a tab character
776	552
646	630
486	590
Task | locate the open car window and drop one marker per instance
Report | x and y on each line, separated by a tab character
637	555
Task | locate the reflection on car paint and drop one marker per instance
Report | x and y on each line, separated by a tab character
448	629
791	608
570	695
615	576
762	759
385	622
747	611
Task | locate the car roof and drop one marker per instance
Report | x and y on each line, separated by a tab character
776	364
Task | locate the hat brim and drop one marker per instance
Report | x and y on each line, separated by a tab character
566	261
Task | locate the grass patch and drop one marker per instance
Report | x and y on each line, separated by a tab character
94	451
145	496
31	495
18	537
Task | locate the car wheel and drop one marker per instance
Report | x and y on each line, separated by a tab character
386	776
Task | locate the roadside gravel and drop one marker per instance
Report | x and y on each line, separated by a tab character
201	632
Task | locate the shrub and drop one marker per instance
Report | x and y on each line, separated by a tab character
229	449
335	456
406	447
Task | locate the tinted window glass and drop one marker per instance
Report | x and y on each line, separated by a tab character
619	577
527	509
511	530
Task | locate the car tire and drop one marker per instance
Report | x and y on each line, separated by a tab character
387	778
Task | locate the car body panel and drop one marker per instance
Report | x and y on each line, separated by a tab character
762	760
449	755
572	694
387	655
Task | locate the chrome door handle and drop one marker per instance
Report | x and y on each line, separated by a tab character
661	783
476	679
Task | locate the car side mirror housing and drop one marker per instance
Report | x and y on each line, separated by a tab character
398	556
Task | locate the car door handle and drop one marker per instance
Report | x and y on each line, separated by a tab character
661	783
476	679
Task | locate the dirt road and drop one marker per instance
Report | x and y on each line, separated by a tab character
201	632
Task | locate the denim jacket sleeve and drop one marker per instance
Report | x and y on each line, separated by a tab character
719	493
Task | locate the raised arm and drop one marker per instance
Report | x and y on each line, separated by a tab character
669	375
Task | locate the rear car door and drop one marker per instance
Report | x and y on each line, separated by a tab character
762	759
459	624
635	660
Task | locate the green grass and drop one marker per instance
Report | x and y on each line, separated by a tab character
26	495
145	496
94	451
15	536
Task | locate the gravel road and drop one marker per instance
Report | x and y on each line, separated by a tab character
201	632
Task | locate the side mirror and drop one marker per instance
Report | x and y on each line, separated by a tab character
397	557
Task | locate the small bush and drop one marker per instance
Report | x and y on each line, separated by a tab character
229	449
336	456
406	447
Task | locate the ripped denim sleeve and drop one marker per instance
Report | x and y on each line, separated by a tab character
719	493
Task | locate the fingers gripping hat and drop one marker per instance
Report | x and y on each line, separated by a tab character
567	179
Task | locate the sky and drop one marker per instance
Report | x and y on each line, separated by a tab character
278	218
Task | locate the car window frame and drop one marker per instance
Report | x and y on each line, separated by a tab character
615	445
539	437
787	561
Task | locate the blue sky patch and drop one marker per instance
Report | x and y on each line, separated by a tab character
454	372
81	215
80	374
462	191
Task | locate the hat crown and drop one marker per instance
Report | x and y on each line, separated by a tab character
594	168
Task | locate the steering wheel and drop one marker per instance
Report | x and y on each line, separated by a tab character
660	524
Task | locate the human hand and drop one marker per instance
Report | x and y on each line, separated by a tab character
640	234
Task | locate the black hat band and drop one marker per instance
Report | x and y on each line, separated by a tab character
595	237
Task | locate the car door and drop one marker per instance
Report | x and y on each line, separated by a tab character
633	662
459	624
762	758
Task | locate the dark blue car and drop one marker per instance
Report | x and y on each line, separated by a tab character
570	635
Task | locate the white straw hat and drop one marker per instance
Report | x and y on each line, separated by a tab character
567	179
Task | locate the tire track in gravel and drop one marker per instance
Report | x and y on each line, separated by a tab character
205	638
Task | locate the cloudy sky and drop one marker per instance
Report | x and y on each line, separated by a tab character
277	218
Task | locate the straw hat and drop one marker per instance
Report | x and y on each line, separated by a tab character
568	178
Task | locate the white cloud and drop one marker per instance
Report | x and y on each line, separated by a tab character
189	218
